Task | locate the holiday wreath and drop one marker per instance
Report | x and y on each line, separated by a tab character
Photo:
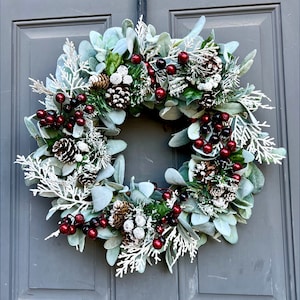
78	161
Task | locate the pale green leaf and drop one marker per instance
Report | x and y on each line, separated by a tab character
172	176
105	233
77	131
68	169
233	237
105	173
207	228
112	255
115	146
194	131
119	166
245	188
77	240
113	242
257	179
147	188
222	226
179	139
170	113
101	196
199	218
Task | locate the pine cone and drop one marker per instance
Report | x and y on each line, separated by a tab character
87	178
118	96
118	214
65	150
204	171
212	64
100	81
207	100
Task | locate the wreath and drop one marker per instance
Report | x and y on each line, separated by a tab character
79	162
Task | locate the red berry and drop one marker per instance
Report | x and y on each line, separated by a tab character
41	113
183	57
166	195
207	148
50	120
225	152
237	177
81	98
153	81
161	63
79	219
147	64
151	71
64	228
231	145
160	94
176	209
89	109
171	69
92	233
72	229
136	59
69	126
193	120
103	222
60	120
164	220
43	122
218	127
60	97
78	114
237	166
80	121
157	243
205	118
159	229
224	116
199	143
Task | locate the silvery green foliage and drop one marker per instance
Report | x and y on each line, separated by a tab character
207	196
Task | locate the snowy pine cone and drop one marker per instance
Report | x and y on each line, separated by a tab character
65	150
212	64
118	213
208	100
118	96
100	81
87	178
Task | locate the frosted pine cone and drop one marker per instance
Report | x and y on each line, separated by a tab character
118	96
212	64
65	150
118	213
207	100
87	178
204	171
100	81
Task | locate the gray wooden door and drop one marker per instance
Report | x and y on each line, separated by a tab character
265	262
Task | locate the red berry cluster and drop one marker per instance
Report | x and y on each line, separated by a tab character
69	115
215	127
69	224
170	219
160	64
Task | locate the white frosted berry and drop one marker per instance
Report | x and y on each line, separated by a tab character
115	78
123	70
140	220
138	233
82	146
128	225
127	79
